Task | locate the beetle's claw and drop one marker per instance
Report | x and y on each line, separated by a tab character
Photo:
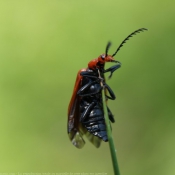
110	75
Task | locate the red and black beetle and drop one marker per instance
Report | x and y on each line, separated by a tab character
85	112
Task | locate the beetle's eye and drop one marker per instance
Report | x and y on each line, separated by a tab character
103	57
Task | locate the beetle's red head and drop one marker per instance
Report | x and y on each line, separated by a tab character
102	59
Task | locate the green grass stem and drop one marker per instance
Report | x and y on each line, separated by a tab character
109	134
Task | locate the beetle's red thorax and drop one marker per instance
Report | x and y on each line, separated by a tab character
93	64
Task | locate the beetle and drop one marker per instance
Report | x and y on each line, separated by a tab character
85	112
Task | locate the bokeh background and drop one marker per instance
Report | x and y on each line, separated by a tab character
42	46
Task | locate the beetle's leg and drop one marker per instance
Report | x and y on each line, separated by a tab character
111	117
86	112
112	69
111	93
91	93
85	87
92	75
89	74
92	122
82	89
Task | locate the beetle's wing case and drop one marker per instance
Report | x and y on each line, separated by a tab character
74	126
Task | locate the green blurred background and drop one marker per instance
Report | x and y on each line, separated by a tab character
42	46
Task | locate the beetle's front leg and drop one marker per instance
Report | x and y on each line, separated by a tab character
112	69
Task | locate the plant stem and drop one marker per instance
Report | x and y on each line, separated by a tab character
109	134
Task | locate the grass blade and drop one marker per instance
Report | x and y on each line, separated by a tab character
109	133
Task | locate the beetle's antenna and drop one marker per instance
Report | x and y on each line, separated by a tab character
127	38
107	48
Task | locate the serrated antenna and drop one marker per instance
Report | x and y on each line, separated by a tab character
127	38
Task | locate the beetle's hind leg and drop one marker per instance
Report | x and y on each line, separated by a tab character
86	112
111	93
111	116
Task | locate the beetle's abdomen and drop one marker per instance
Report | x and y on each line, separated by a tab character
95	123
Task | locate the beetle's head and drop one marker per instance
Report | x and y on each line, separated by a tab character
102	59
